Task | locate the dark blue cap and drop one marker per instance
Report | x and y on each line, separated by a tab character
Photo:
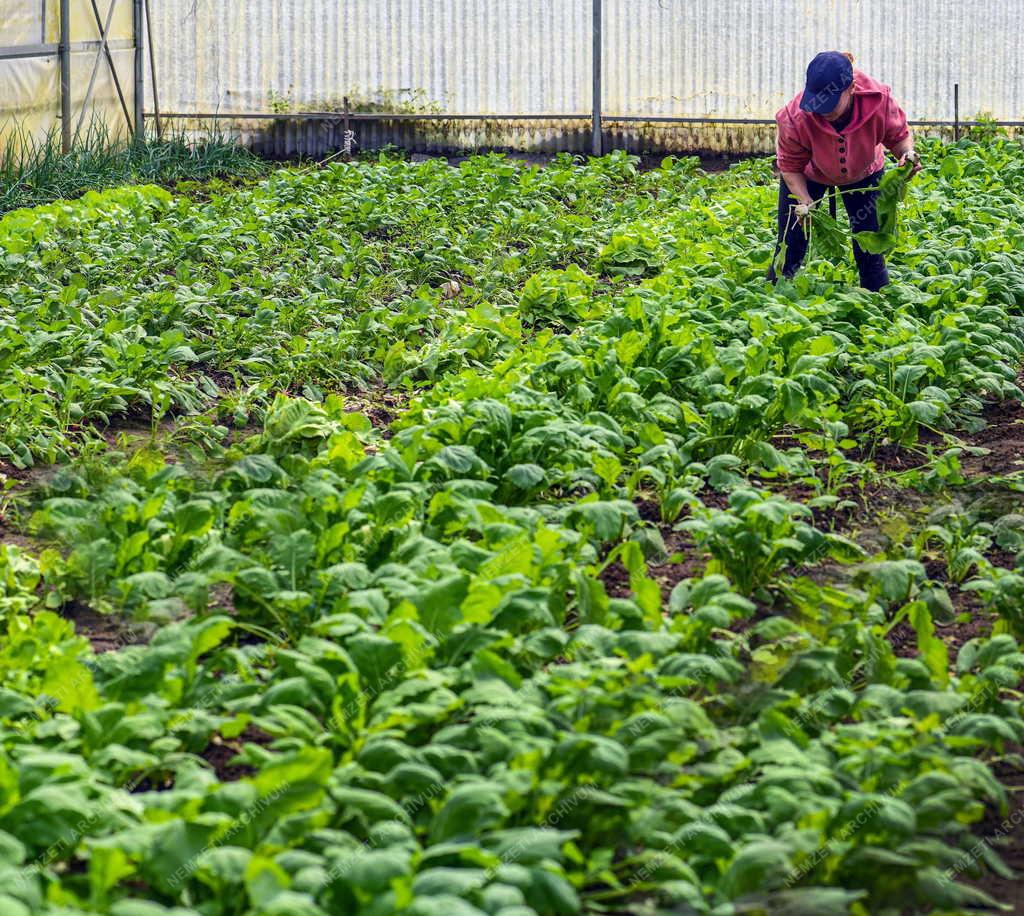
829	75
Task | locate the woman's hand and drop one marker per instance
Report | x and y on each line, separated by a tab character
797	184
802	211
911	155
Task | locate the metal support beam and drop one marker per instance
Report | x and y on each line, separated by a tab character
52	49
956	111
339	116
65	75
140	71
595	118
403	116
152	71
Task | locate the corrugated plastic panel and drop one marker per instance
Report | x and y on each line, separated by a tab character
467	56
731	58
30	91
746	58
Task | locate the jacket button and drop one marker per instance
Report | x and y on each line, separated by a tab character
843	171
842	160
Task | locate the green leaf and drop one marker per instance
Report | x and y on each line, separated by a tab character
876	242
440	605
757	866
469	810
526	476
373	870
812	901
933	651
264	880
194	519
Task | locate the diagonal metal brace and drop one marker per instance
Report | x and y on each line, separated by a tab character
104	49
110	61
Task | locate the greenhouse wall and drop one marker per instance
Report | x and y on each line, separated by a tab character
682	58
30	68
662	58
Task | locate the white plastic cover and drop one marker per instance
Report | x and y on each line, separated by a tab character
30	86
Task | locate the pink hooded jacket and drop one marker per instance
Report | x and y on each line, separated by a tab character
808	143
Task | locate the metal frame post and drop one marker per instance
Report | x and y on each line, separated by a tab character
346	137
152	71
64	52
140	70
597	144
956	111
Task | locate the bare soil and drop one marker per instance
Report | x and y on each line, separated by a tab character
220	752
381	405
106	632
13	537
1003	435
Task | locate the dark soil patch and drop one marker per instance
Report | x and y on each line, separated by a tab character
857	506
893	458
224	380
973	620
219	756
157	782
10	536
956	635
903	640
1003	436
219	753
379	405
648	510
616	581
22	476
683	558
1001	558
106	632
221	599
134	425
9	470
668	575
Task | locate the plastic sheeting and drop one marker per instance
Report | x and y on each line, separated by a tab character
21	22
727	58
680	58
30	85
83	22
30	88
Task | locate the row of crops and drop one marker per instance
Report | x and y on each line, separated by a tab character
495	540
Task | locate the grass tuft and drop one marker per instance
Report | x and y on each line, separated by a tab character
34	172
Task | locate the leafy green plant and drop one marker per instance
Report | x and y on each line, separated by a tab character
892	191
635	252
759	535
962	540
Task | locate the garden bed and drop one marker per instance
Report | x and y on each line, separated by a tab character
495	539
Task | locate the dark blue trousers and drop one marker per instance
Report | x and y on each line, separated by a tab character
859	199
